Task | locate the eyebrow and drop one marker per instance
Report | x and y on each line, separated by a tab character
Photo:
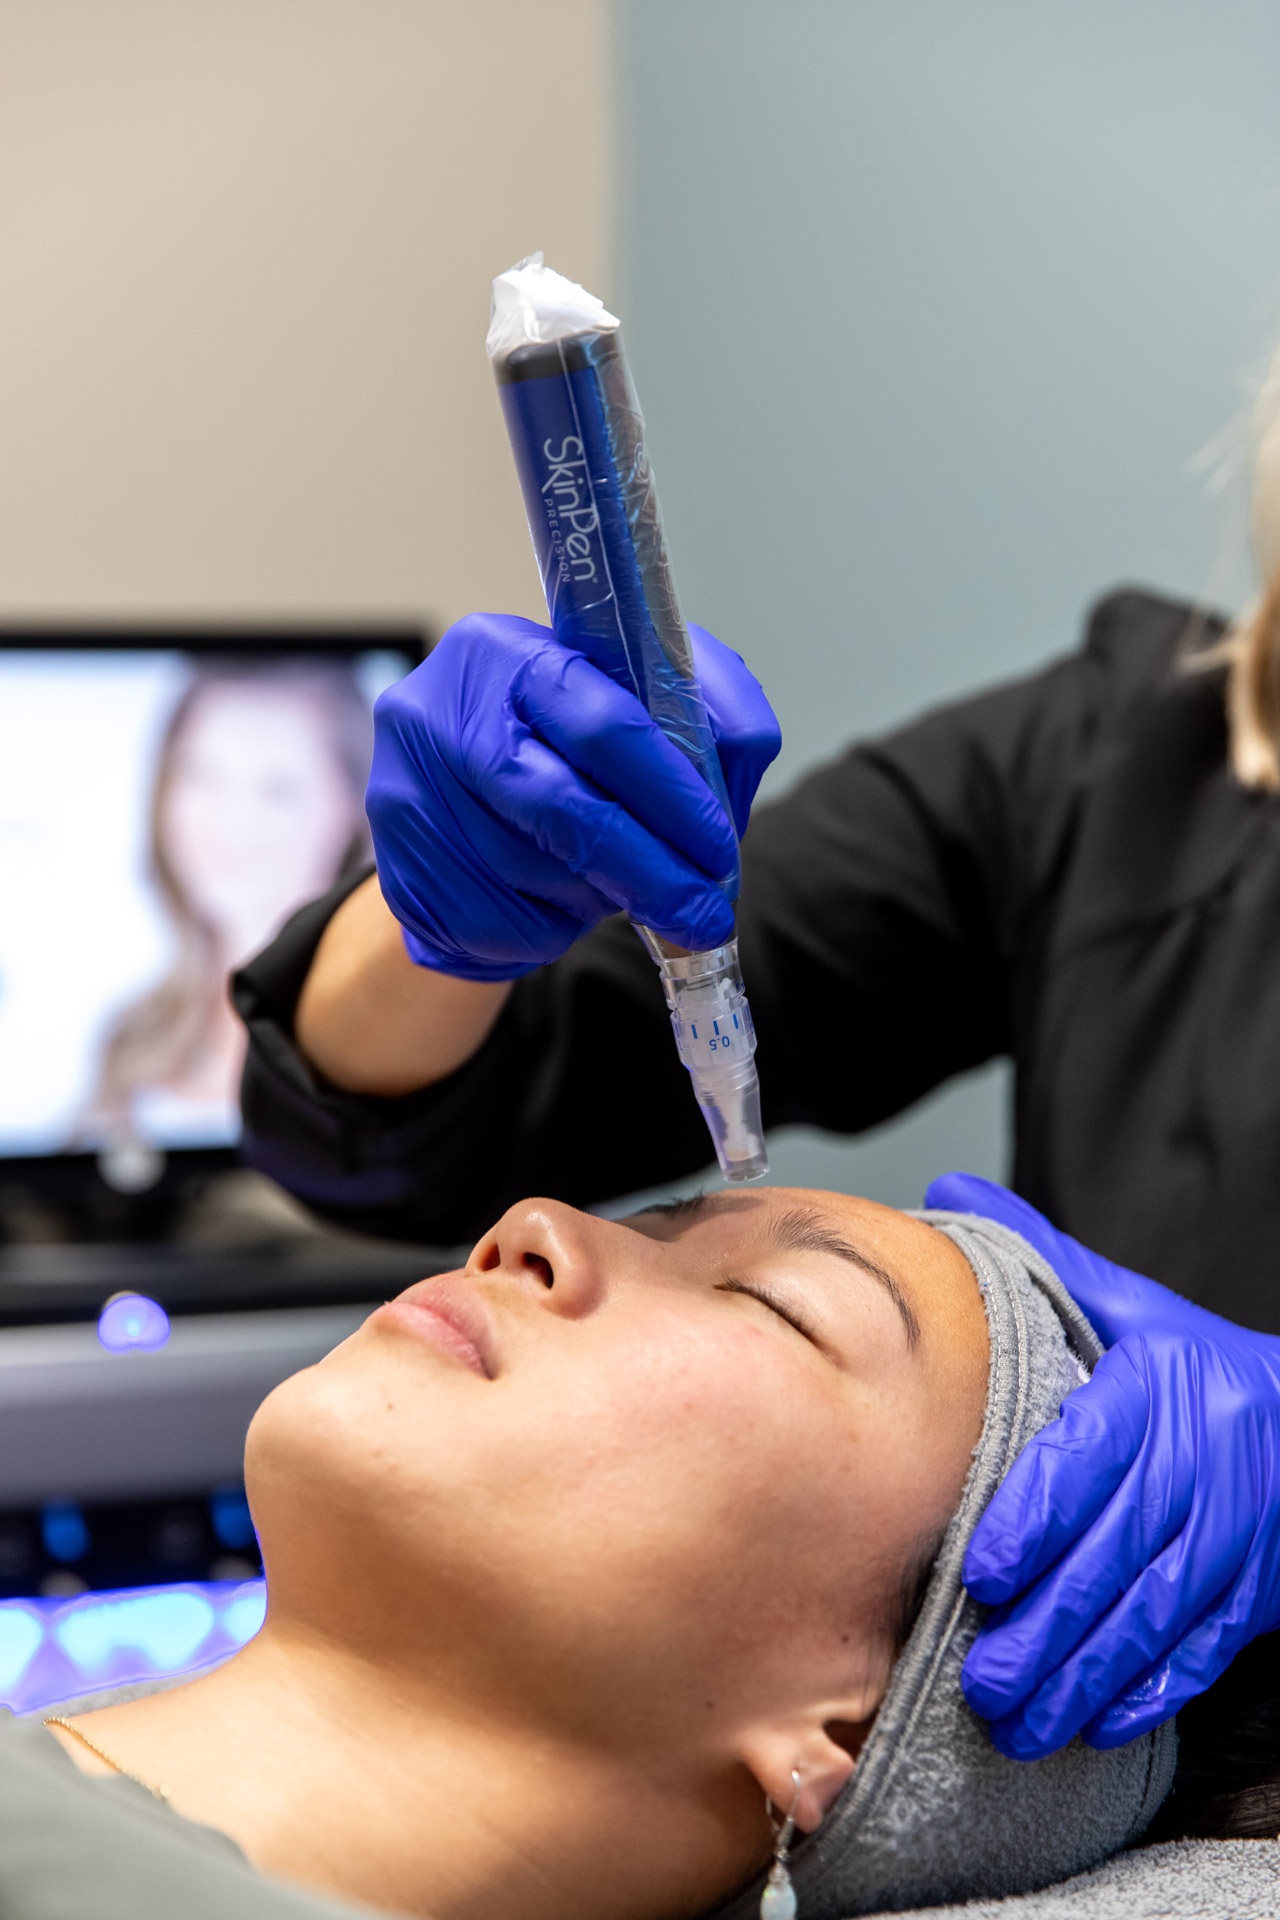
801	1230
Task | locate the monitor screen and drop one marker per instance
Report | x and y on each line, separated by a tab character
163	810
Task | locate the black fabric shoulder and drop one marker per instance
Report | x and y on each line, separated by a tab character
1138	636
961	816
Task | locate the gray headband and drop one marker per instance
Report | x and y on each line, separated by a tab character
932	1812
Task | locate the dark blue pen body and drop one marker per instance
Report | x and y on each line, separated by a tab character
577	439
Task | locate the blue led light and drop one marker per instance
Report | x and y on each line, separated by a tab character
242	1619
20	1634
166	1627
131	1323
64	1531
232	1521
53	1650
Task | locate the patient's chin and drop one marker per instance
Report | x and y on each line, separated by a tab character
294	1452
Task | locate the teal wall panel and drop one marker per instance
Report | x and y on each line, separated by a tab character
935	307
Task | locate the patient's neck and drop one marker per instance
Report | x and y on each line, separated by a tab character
386	1790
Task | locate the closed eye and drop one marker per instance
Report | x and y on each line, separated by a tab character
770	1300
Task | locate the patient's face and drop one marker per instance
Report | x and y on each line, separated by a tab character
636	1472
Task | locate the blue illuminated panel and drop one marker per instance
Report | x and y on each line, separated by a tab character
53	1650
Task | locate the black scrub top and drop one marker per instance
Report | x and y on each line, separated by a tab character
1062	871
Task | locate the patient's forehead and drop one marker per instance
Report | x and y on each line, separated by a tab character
744	1215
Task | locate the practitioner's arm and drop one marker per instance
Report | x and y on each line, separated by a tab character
372	1021
397	1080
517	797
891	884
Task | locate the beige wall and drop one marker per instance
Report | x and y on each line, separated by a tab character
245	252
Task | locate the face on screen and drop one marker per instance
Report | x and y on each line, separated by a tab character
161	815
258	811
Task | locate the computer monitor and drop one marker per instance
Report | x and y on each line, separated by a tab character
167	799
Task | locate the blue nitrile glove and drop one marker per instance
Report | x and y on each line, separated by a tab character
1135	1546
518	796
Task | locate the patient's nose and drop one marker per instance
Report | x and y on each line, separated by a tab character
553	1251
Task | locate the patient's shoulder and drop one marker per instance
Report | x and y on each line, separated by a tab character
71	1842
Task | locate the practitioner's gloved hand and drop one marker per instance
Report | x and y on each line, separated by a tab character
518	796
1135	1546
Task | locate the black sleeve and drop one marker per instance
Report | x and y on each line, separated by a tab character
885	906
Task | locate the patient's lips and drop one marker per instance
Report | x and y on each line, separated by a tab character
448	1313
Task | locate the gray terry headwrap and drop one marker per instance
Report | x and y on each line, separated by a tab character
932	1812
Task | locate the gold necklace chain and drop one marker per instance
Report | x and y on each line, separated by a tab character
56	1720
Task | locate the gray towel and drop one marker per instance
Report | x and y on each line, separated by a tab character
1183	1880
933	1813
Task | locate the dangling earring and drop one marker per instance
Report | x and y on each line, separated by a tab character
778	1901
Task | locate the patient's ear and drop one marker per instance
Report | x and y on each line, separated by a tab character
821	1748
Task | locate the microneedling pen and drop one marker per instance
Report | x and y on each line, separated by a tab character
578	438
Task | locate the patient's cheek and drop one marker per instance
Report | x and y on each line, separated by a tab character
682	1385
695	1436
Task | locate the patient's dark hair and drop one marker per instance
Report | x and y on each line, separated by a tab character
1227	1783
913	1587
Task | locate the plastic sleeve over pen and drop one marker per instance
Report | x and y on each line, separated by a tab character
578	438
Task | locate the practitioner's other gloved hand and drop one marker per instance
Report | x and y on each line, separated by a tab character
1135	1546
518	796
